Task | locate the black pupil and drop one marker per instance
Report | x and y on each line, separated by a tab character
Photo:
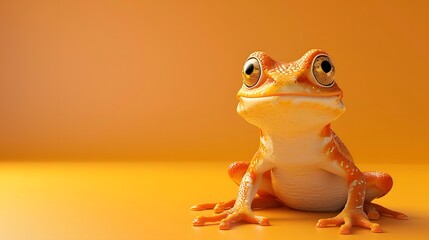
248	69
326	66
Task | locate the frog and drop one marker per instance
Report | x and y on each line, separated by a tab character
300	163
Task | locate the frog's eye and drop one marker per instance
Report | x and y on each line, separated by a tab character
251	72
323	70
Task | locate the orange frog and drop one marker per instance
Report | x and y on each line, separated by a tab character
300	163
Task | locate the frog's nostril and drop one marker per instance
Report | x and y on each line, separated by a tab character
326	66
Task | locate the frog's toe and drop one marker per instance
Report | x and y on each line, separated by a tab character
390	213
348	219
231	216
226	223
345	223
201	207
217	207
345	228
263	221
329	222
373	215
201	220
365	223
220	207
402	216
371	212
376	228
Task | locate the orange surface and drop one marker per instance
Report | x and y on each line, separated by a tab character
111	200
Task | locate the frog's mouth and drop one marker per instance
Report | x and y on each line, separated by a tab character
307	94
332	100
338	94
292	92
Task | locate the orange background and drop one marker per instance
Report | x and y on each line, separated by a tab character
155	82
158	79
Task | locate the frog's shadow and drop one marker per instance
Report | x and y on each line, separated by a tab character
281	216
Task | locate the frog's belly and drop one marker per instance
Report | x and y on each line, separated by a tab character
309	189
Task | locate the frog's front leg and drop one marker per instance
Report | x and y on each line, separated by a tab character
265	195
242	211
242	207
353	213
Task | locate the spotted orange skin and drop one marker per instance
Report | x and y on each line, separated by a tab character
254	178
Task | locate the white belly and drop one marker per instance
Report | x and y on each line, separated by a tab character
309	189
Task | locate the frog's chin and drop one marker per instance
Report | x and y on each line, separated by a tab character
290	115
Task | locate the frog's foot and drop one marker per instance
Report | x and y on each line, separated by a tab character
231	216
374	211
217	207
349	218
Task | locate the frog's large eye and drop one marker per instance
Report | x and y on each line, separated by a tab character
251	72
323	70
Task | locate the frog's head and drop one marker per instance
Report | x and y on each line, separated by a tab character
290	98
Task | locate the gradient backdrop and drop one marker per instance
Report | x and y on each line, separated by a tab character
145	80
150	86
